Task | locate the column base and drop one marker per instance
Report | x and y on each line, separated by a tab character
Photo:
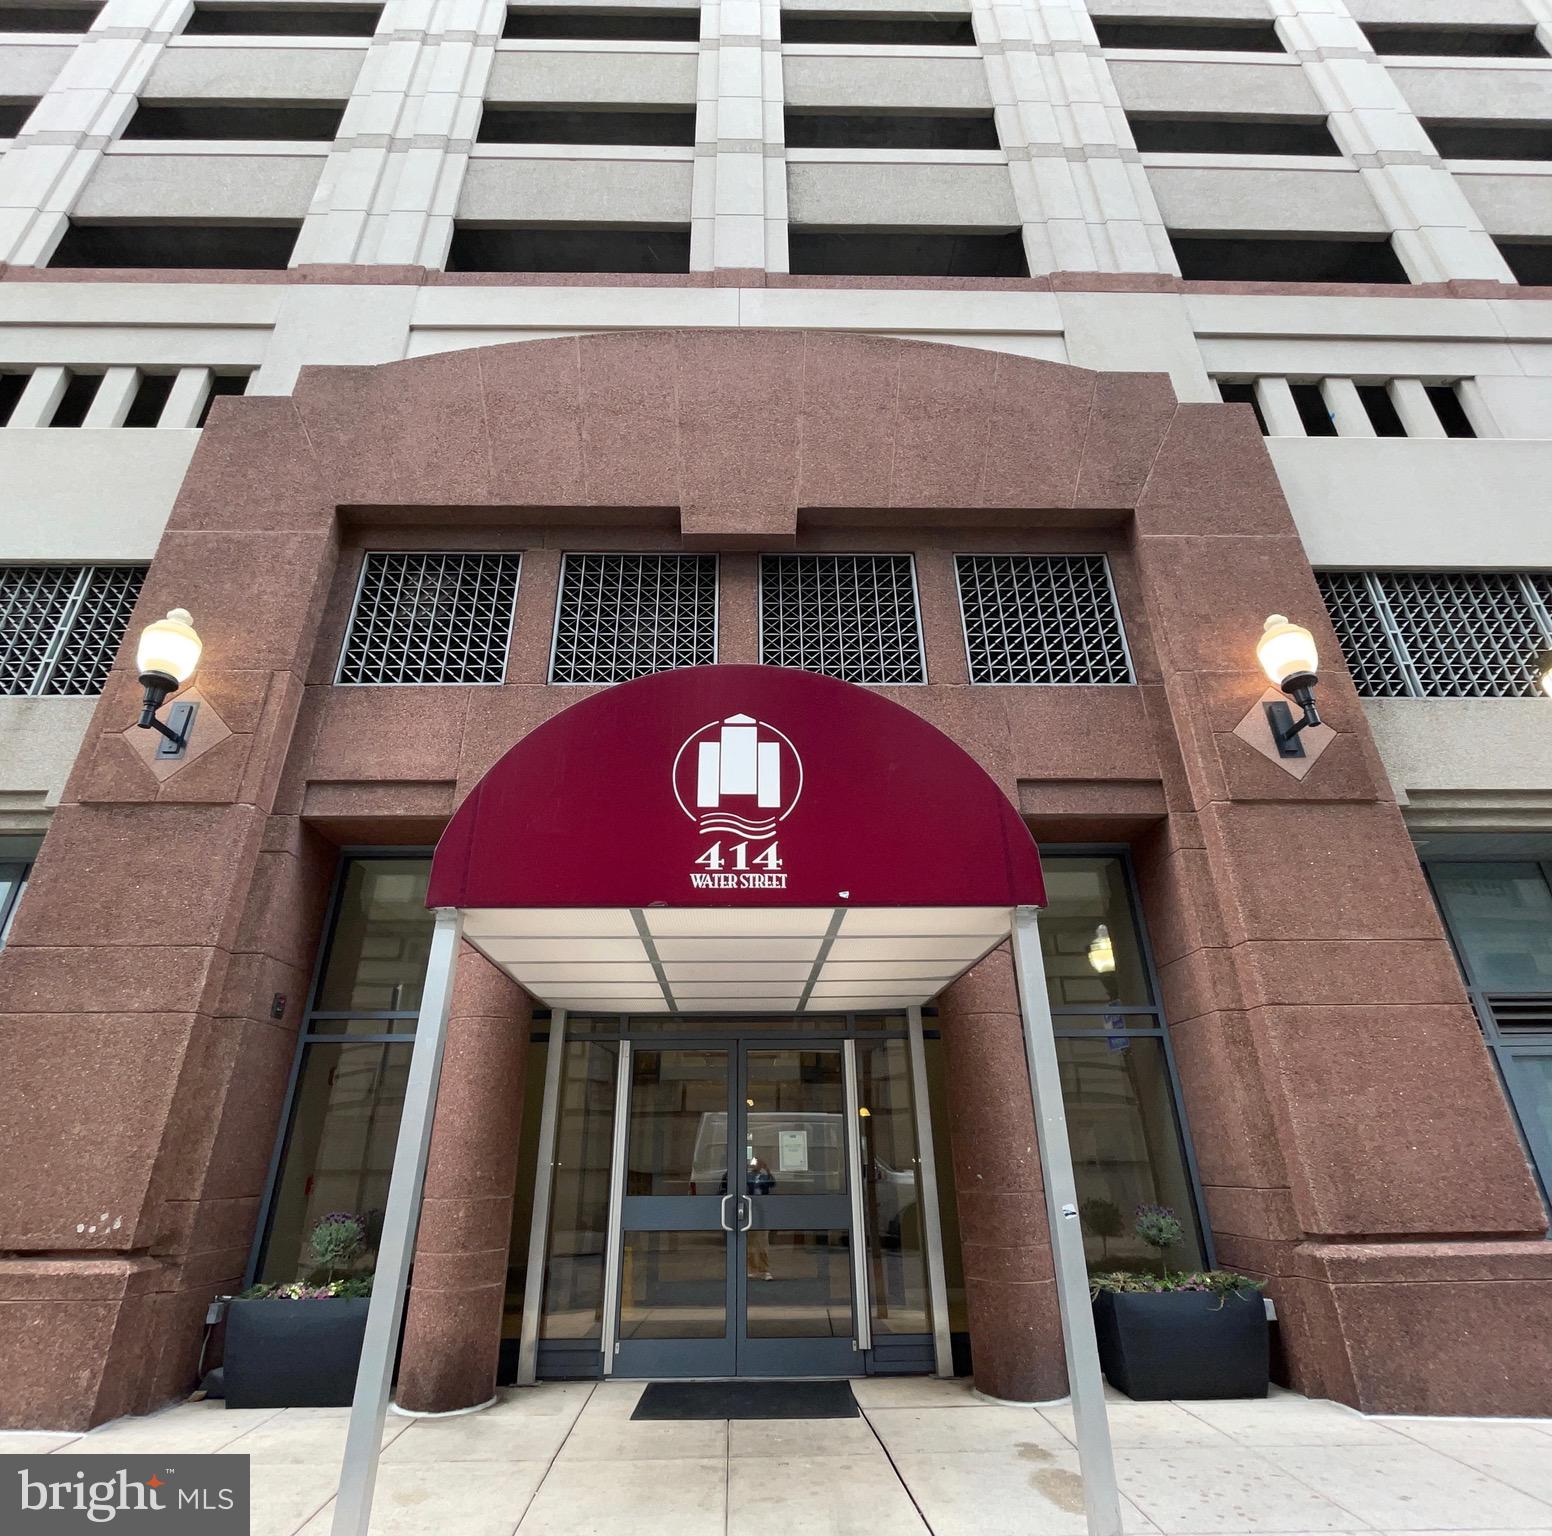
1421	1328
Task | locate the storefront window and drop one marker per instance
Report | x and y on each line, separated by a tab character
1123	1118
343	1125
1093	954
16	856
1125	1148
381	939
891	1189
579	1202
1499	914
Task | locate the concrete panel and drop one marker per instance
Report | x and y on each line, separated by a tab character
255	74
856	81
1148	85
201	187
1261	198
941	196
886	7
29	69
155	304
1510	205
1463	749
1418	502
595	76
39	740
1465	91
1416	13
82	494
1199	10
644	192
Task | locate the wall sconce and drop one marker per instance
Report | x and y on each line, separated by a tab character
167	655
1286	652
1102	951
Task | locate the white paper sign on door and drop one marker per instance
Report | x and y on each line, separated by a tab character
792	1151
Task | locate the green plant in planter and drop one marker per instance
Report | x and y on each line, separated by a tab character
335	1243
1103	1219
1159	1227
1219	1282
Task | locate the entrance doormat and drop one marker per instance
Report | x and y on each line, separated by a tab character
747	1400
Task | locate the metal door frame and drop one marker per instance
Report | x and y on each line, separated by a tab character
775	1357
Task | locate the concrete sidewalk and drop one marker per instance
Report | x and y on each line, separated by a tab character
926	1456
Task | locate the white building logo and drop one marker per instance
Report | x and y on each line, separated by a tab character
738	779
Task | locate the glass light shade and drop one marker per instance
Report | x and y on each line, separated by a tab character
170	645
1102	951
1286	649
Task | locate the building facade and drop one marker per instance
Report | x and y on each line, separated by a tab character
452	361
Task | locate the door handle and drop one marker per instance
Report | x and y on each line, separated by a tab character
722	1213
747	1201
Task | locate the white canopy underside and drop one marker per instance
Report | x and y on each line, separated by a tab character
735	960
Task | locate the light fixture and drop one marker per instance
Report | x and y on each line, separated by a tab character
1102	951
1544	672
167	655
864	1113
1287	655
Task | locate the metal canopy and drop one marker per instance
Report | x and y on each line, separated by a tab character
659	960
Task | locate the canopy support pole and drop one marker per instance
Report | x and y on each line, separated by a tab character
369	1410
1096	1464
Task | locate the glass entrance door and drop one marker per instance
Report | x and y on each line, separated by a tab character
735	1217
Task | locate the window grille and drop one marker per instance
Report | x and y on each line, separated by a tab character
1365	641
1440	635
849	616
431	618
623	616
1041	619
61	625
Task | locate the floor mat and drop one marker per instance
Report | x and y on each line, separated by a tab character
747	1400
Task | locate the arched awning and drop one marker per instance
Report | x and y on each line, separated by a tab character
735	838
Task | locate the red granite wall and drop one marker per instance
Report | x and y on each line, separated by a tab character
1354	1144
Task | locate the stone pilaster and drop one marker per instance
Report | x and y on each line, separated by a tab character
1078	181
1436	233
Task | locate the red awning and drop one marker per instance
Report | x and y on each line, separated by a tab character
742	836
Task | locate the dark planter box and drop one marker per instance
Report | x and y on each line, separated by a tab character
1182	1343
293	1354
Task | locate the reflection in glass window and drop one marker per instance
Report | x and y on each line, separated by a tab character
579	1205
339	1153
1501	919
381	939
1126	1148
1093	957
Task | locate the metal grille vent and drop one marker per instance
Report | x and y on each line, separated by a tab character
1440	635
61	625
1041	619
1366	645
431	618
1523	1012
1466	636
849	616
623	616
